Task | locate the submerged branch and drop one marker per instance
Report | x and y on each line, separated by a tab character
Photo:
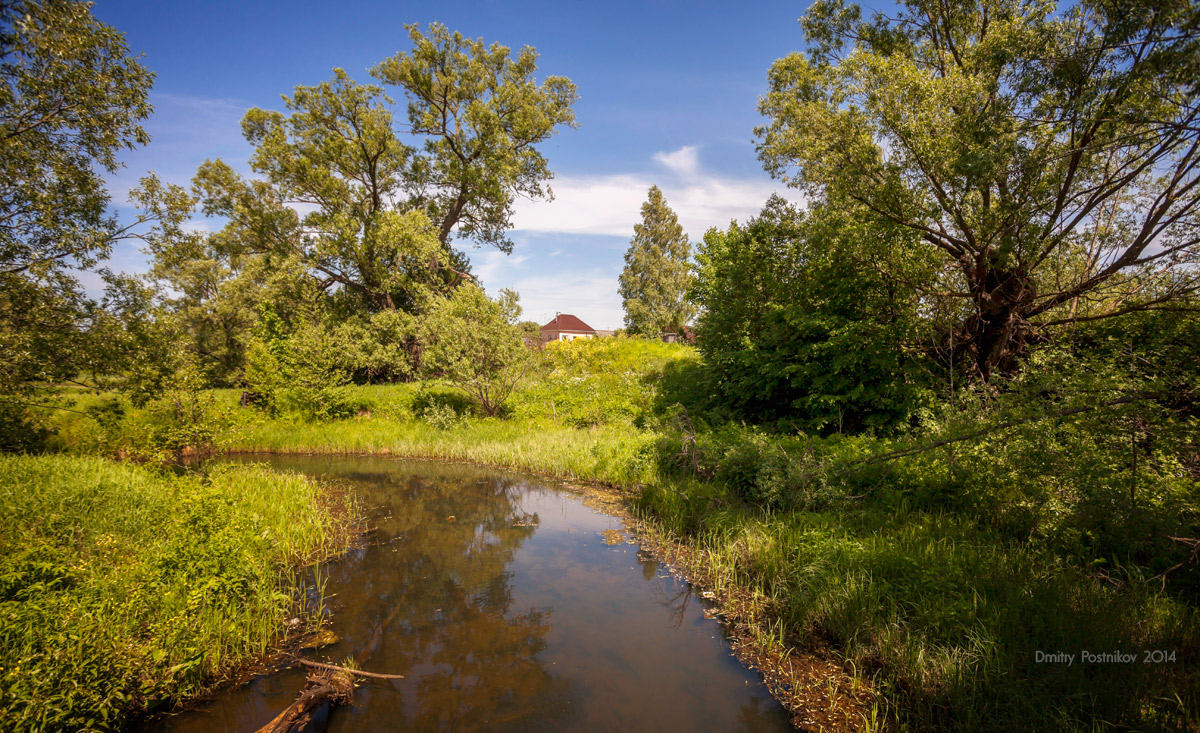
347	670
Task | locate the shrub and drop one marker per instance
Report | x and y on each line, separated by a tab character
302	373
472	342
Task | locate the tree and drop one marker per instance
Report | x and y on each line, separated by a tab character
71	98
481	114
657	275
1050	155
473	341
800	319
382	212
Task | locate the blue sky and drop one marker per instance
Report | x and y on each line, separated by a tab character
668	97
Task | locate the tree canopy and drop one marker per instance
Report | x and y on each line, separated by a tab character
1050	154
71	99
802	318
654	284
368	216
481	113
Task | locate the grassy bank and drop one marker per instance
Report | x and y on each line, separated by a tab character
122	588
947	583
943	617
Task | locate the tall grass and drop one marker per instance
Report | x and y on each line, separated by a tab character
946	618
122	588
614	455
914	571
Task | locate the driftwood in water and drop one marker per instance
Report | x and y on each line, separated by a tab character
347	670
334	688
332	684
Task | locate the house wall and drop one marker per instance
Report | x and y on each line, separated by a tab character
548	336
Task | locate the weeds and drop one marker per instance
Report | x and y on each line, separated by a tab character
122	589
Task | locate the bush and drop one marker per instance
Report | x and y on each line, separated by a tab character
472	342
302	373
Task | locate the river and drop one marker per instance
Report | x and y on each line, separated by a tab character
508	603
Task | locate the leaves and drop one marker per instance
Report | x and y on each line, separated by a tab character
654	284
1049	154
473	342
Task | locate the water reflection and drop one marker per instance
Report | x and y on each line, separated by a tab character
504	608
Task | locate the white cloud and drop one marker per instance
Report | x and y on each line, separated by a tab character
612	204
487	264
592	296
683	162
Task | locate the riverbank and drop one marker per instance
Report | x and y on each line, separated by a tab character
947	585
936	621
123	589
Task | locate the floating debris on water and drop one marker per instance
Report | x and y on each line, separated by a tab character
612	536
324	637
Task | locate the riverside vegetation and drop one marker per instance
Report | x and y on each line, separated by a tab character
124	589
937	576
939	424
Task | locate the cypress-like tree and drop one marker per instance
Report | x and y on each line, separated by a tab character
657	275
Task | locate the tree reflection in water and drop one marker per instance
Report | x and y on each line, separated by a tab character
469	657
496	627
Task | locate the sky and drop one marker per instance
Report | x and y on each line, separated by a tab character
668	97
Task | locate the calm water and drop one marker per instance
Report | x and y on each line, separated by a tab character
508	605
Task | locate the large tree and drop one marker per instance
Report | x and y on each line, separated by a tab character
654	284
481	114
1049	153
380	214
71	99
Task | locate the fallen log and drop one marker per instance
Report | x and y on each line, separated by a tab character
324	687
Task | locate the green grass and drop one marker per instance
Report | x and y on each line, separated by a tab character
945	617
614	455
919	582
122	588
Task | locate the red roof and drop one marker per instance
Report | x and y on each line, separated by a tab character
567	322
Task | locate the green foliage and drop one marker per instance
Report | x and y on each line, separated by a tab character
121	588
480	114
71	99
799	322
185	420
654	284
947	617
605	381
381	347
301	373
136	341
472	341
531	331
1047	152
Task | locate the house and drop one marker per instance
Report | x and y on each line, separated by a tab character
672	337
566	327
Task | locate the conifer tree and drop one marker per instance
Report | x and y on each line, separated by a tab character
657	275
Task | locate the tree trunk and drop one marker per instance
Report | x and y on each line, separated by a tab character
997	335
